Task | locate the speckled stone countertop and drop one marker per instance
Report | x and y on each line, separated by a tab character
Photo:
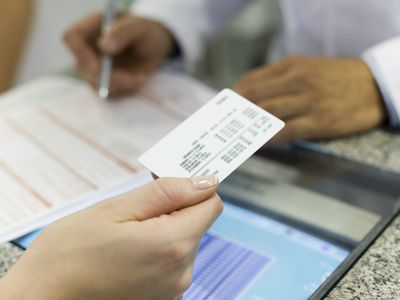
377	274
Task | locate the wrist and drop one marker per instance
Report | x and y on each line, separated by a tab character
18	284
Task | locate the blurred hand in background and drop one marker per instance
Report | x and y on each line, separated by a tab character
317	97
139	47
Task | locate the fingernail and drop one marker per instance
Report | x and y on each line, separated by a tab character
204	182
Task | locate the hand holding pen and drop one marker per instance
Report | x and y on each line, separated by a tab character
135	48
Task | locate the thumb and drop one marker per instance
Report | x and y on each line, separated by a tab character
163	196
124	33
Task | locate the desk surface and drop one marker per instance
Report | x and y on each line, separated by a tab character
376	275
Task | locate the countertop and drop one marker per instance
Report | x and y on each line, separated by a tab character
377	274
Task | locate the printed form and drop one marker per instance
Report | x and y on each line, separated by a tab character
62	149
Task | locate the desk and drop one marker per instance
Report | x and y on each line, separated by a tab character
376	275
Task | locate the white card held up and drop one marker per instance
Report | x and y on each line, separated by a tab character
215	140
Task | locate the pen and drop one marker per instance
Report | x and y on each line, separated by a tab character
106	59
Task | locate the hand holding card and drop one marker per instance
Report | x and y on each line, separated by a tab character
215	140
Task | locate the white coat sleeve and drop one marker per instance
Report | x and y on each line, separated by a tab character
384	62
191	22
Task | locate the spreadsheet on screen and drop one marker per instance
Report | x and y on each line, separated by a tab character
246	255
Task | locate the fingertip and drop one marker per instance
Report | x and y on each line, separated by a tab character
219	205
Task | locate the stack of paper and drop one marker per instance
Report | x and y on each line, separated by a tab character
62	149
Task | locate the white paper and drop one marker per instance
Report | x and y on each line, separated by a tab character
63	149
215	140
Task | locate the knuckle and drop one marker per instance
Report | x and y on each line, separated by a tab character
323	124
312	100
328	117
178	253
165	190
304	77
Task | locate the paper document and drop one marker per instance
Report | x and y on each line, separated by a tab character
62	149
215	140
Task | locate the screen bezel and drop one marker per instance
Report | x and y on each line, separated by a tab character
356	252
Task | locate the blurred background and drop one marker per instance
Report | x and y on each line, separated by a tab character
32	45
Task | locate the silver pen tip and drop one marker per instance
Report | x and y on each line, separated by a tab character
103	93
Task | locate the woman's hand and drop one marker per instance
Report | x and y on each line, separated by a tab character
138	246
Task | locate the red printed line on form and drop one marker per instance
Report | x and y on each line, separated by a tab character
157	101
86	139
14	124
18	179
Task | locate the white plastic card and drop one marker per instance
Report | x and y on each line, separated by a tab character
215	140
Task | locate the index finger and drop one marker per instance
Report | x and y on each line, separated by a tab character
263	72
81	39
194	221
302	127
262	89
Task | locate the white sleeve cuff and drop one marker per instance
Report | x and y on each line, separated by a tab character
192	22
178	22
384	62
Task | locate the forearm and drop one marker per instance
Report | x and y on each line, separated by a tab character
15	17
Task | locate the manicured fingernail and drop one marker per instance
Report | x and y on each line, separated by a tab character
205	182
